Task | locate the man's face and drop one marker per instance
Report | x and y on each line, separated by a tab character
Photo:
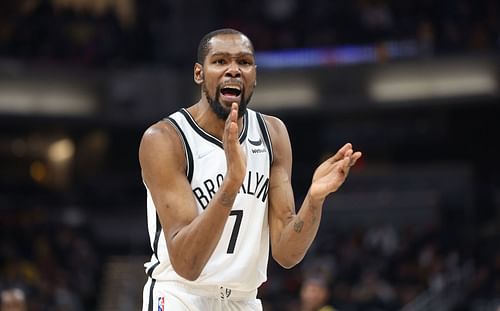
229	73
314	295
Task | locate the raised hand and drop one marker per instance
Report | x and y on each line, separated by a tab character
331	174
235	158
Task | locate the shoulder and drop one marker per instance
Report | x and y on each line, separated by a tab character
162	132
160	139
276	126
279	138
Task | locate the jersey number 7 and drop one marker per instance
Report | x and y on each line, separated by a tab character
236	230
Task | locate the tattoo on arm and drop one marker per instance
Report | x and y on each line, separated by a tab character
297	227
227	199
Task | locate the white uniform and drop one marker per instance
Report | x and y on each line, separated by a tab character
239	263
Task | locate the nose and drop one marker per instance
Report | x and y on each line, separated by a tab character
233	70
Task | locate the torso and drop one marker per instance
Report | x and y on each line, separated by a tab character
240	258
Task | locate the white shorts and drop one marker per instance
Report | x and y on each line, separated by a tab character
177	296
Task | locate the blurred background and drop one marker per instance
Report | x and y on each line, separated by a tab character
415	85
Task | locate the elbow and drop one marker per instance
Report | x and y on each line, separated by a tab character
287	261
286	264
188	274
186	271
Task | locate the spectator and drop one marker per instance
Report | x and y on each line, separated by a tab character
13	300
315	294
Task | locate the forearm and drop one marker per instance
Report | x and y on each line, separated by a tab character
191	247
298	235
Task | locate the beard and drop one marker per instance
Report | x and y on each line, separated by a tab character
222	112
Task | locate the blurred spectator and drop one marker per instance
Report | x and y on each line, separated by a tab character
108	33
373	292
315	294
368	274
55	264
383	239
13	300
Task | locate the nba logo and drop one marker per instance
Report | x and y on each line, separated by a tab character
161	304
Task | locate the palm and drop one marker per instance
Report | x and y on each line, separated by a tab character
327	178
331	174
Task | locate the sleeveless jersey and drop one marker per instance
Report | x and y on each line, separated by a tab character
240	259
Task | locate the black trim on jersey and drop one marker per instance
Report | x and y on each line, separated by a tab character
210	137
265	133
187	149
149	272
152	268
244	132
150	303
157	237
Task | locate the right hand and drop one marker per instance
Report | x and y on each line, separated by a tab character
235	158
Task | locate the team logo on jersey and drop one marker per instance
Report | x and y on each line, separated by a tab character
161	304
255	142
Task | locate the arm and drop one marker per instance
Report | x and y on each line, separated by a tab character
191	238
291	233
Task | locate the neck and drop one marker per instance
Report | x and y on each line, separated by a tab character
208	120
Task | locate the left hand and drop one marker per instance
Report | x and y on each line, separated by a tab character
331	174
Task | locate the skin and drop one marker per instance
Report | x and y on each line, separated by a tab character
192	237
313	295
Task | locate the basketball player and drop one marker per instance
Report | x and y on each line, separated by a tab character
217	176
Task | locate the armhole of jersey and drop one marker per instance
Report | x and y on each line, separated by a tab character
187	149
265	133
158	232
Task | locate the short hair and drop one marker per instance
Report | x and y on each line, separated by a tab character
203	46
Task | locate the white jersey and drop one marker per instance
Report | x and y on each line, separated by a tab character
239	261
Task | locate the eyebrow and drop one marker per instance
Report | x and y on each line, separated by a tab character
241	54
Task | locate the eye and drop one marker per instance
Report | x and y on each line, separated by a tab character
219	61
245	62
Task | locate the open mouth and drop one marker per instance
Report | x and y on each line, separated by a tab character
231	91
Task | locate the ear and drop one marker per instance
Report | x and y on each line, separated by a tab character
198	74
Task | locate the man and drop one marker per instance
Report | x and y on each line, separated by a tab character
314	294
218	182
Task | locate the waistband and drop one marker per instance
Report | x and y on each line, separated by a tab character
213	291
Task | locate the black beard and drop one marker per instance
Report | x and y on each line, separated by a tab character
220	111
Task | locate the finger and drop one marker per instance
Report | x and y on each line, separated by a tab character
347	162
341	153
345	166
231	116
354	158
232	122
234	112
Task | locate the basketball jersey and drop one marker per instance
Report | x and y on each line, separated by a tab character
240	258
